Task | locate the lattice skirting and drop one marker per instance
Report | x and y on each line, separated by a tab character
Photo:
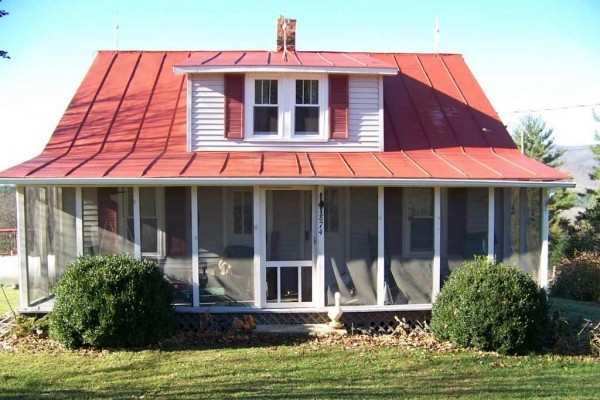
366	322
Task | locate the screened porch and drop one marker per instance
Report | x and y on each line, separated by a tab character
226	248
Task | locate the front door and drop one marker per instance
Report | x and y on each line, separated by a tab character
289	247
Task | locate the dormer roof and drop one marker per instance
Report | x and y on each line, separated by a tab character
294	61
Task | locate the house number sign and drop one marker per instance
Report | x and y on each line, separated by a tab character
321	217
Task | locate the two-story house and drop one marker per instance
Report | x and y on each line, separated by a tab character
266	181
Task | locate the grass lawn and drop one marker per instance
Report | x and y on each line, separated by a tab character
574	310
13	298
304	371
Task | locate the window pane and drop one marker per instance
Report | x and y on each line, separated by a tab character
421	234
306	284
289	284
147	202
307	120
149	235
307	91
271	284
265	120
265	91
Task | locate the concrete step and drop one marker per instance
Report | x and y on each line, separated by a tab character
303	329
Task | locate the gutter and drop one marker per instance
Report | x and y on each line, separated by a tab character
224	181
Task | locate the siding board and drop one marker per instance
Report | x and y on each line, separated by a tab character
208	119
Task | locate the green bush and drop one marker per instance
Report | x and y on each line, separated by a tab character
491	307
111	301
579	278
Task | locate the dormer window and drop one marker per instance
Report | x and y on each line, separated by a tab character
306	113
288	107
266	109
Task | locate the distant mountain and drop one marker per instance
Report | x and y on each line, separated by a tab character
579	161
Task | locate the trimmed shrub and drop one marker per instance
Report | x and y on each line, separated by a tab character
492	307
579	278
111	301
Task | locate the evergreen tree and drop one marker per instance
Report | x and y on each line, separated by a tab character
538	141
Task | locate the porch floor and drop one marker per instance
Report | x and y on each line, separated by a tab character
300	329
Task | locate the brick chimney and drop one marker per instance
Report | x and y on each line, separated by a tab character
290	34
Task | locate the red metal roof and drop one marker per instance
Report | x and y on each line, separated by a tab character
128	120
307	59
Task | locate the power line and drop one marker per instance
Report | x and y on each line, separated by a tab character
555	108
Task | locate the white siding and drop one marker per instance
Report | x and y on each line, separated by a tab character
363	113
208	110
207	119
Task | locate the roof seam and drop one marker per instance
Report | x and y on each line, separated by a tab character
188	164
225	162
310	164
298	163
412	101
417	164
112	122
382	164
353	59
143	119
450	164
162	153
462	95
347	165
434	92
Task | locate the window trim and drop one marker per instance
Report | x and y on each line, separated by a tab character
286	100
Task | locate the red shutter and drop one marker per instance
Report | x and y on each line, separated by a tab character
176	221
234	106
338	106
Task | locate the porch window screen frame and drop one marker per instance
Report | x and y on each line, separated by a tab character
418	221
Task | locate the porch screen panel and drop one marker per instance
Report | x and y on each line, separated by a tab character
408	246
176	258
50	237
226	246
106	215
351	245
465	227
530	261
522	241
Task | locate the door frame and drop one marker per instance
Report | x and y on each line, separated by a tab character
262	231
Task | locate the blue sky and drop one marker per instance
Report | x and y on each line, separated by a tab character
527	55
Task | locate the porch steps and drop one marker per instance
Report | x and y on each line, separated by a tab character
300	329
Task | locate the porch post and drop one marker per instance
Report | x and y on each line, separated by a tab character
380	247
79	220
491	222
544	237
259	235
137	239
522	226
437	240
195	266
320	278
22	247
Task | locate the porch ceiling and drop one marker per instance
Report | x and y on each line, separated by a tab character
127	121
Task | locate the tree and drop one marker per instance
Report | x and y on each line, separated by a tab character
538	143
3	54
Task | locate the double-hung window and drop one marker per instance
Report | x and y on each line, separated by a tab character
266	108
286	107
307	109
